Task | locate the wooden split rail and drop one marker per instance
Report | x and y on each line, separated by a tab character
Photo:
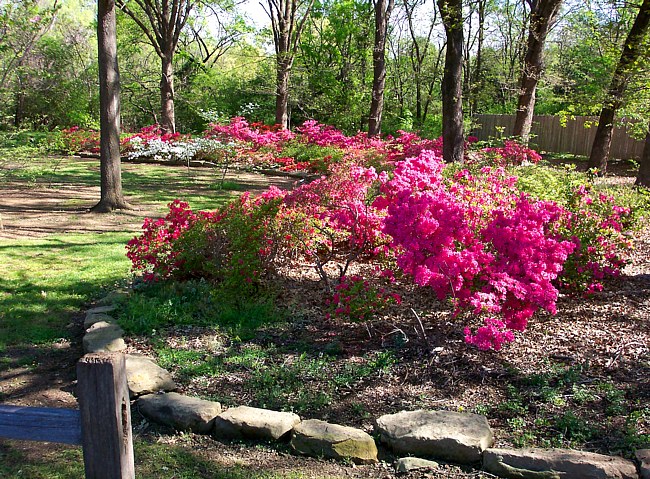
101	425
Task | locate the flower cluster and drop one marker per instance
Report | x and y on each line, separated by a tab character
596	227
511	153
258	134
76	139
149	134
179	151
156	252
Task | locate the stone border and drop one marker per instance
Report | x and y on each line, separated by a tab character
460	438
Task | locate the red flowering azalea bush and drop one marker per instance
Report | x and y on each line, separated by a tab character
77	139
149	134
511	153
356	299
596	227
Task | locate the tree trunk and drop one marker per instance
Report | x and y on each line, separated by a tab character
452	81
282	93
167	117
643	178
19	111
477	77
541	20
632	49
383	10
109	111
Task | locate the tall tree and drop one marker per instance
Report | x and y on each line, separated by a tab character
383	10
288	19
418	52
543	16
109	111
633	48
643	177
162	22
451	12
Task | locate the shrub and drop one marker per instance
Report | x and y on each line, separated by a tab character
357	300
76	139
476	241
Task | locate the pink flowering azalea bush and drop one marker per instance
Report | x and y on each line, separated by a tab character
476	241
469	236
256	135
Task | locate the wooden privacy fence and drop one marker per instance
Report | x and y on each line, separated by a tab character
101	425
550	133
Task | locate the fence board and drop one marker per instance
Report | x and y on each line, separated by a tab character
40	424
549	134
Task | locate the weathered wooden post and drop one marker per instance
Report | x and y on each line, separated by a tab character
105	416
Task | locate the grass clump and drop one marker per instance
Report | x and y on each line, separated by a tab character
161	305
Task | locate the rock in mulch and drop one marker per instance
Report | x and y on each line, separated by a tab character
93	318
145	377
643	456
180	412
407	464
446	435
556	464
103	337
253	423
320	439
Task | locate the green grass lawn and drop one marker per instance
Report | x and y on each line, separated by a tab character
47	280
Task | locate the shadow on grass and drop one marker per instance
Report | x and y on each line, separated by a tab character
46	461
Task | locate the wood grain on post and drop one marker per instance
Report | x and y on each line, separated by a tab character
105	416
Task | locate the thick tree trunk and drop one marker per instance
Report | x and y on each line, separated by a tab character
632	49
541	20
109	111
452	82
282	93
167	116
383	10
643	178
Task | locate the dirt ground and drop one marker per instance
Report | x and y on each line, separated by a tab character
27	212
49	379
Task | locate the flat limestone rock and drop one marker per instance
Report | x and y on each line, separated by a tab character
556	464
145	377
320	439
253	423
103	337
407	464
94	318
643	456
183	413
447	435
